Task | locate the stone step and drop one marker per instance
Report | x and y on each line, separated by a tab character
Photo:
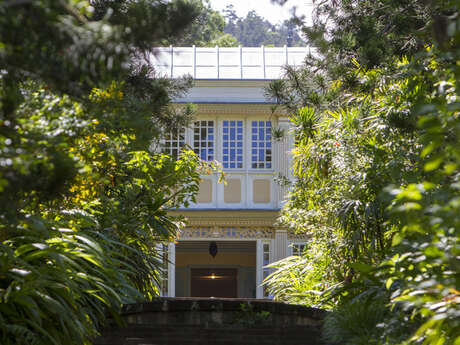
135	335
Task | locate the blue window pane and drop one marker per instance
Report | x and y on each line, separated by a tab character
225	151
261	134
211	130
254	144
233	139
268	130
254	123
240	165
254	137
211	151
261	155
254	151
269	144
225	165
268	124
211	137
261	123
254	130
261	144
269	165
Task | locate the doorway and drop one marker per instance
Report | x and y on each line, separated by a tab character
230	273
214	282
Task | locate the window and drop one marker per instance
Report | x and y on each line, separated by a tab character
203	139
174	142
232	144
261	144
298	248
265	262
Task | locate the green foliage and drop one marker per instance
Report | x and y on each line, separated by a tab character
249	317
298	279
206	30
83	194
372	32
59	277
377	175
226	40
254	30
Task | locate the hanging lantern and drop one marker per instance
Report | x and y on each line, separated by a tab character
213	249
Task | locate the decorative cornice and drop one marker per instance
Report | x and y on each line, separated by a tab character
236	109
236	218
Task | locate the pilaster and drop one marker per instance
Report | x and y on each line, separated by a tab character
280	245
284	147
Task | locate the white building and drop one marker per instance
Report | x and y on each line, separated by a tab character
233	125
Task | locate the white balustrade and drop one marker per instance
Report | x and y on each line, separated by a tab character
227	63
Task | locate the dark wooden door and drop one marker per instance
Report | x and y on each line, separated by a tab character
214	282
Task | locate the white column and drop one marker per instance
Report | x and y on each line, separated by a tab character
280	250
172	270
259	269
283	154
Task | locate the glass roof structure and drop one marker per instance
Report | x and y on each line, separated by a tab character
227	63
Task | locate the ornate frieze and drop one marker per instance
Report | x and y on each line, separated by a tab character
227	232
235	109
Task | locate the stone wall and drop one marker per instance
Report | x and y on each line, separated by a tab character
183	321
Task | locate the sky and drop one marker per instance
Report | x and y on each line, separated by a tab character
274	13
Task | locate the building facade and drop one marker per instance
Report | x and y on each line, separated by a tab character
231	232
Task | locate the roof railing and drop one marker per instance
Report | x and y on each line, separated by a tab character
227	63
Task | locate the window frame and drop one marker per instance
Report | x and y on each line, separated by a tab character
169	150
243	147
214	140
299	243
250	145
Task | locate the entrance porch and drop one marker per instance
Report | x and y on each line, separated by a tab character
231	273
